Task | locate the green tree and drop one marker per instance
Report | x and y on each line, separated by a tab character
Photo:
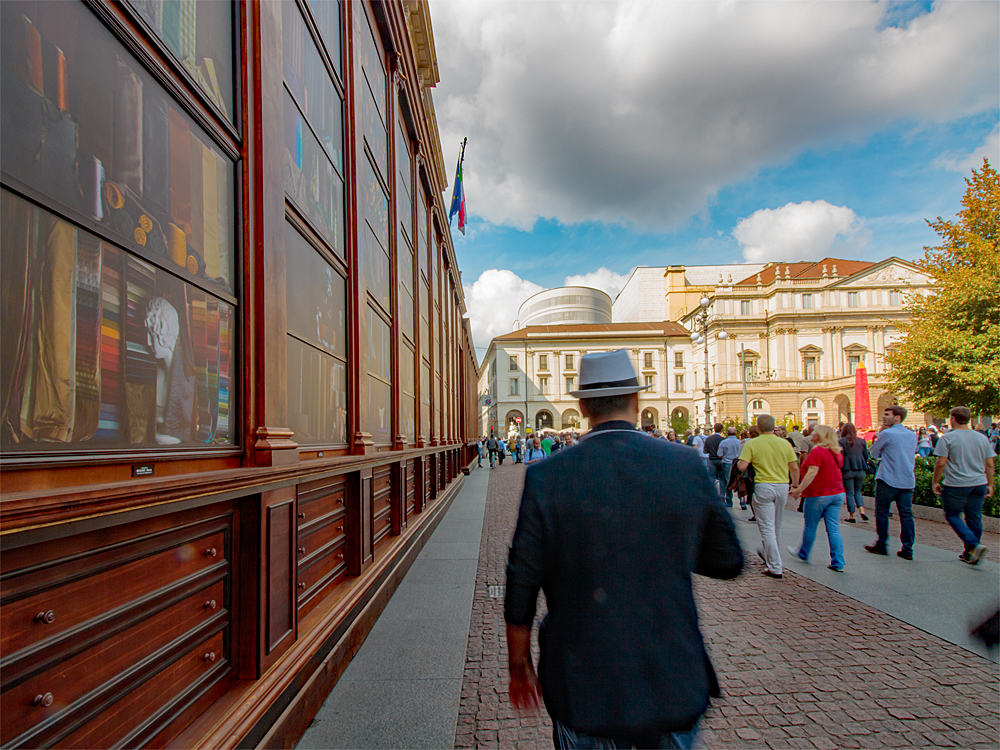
950	353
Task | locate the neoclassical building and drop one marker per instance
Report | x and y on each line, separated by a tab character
528	373
802	330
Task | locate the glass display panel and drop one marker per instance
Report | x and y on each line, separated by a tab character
373	95
379	410
102	349
425	400
409	426
407	373
404	258
379	347
309	81
310	179
85	125
327	16
200	34
316	296
375	238
406	314
425	307
404	194
421	235
437	406
317	395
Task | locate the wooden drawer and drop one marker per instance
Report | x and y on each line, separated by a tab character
411	487
102	592
320	499
85	681
317	536
327	565
381	504
140	713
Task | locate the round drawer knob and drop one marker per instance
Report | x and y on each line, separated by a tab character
302	515
340	555
210	604
302	585
210	656
46	618
302	550
211	552
43	700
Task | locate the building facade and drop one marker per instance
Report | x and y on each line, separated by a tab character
671	292
801	330
527	375
237	386
565	305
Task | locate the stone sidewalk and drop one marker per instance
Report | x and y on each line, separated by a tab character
801	665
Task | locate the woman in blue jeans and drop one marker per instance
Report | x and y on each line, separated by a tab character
855	452
823	490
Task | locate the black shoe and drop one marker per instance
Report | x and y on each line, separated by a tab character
799	510
864	517
835	569
905	554
743	506
876	550
752	519
851	520
769	574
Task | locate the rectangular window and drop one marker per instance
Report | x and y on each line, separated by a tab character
513	362
744	307
543	385
678	359
894	297
513	387
192	29
809	368
569	362
407	382
807	301
853	362
570	384
678	382
543	362
649	381
647	360
852	299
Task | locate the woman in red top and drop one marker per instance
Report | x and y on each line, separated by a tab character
822	486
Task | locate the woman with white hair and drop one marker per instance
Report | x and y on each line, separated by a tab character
822	487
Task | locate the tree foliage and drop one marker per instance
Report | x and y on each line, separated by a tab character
950	353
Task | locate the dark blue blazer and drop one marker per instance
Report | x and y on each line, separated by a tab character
611	530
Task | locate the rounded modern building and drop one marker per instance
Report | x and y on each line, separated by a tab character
565	305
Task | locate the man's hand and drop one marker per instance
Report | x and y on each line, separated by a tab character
525	690
795	492
937	489
989	490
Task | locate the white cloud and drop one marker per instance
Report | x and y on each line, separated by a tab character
603	278
965	163
799	231
641	110
492	302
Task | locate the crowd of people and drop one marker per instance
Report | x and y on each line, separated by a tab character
525	451
613	529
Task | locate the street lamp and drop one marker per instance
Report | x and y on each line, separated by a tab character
700	336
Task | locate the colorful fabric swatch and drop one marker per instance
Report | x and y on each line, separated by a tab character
109	424
88	337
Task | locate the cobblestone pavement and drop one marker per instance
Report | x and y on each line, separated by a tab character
801	666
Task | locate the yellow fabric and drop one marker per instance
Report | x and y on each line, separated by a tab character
769	455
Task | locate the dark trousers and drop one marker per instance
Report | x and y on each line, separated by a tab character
967	501
885	496
717	471
565	738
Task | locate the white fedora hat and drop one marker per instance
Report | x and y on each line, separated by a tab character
607	374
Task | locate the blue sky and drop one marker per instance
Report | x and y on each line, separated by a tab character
606	135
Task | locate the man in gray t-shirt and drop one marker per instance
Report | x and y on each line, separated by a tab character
965	463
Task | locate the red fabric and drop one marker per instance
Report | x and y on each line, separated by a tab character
829	481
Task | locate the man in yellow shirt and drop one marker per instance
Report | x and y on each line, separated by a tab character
774	463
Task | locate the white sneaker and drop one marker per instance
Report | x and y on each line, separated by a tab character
977	553
795	553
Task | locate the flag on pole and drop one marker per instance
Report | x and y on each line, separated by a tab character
862	401
458	196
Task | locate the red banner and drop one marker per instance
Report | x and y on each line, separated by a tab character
862	402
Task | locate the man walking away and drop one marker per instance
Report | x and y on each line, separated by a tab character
965	460
729	451
613	536
492	445
716	470
894	481
801	442
774	462
479	451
